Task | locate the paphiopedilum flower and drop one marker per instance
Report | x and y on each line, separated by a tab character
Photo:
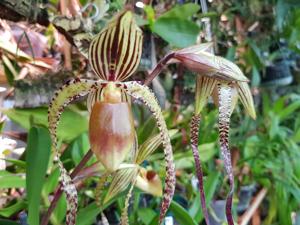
224	80
114	55
132	174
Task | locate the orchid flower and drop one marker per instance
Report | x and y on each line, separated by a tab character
223	80
114	55
132	174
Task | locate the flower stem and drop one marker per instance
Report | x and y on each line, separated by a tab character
158	68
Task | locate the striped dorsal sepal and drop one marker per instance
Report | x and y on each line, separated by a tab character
115	52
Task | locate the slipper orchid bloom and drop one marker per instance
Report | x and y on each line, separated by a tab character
223	80
114	55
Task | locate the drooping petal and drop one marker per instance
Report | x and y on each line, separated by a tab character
225	93
70	91
204	88
194	144
234	96
115	52
143	93
120	181
246	98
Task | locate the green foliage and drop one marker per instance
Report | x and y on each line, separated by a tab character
175	26
37	158
72	123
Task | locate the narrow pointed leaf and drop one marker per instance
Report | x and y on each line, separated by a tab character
143	93
37	158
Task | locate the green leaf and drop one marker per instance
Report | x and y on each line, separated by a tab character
16	162
8	222
146	215
67	129
59	212
37	158
287	111
12	209
181	215
9	180
87	215
184	160
176	31
79	147
210	186
182	11
10	71
51	182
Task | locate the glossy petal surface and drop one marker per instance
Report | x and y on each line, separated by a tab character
111	133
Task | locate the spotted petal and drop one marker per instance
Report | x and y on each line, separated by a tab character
64	96
225	108
199	172
143	93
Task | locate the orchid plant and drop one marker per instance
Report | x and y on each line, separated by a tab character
114	55
226	83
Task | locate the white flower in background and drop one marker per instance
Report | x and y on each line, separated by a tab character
6	147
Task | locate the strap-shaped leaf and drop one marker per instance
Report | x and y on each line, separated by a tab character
120	181
70	91
246	98
143	93
194	144
225	104
115	53
204	88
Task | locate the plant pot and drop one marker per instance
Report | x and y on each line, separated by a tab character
217	214
278	74
245	196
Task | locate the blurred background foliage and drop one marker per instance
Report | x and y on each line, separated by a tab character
261	36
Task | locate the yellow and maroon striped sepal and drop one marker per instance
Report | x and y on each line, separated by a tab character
115	52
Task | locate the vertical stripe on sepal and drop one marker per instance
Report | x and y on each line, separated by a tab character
115	52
